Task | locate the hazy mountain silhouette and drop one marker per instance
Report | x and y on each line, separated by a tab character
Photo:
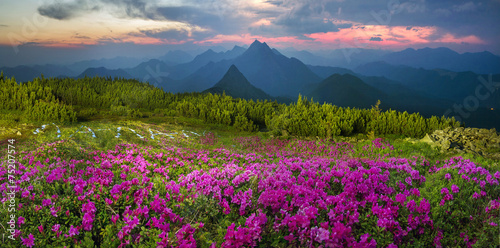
346	91
184	70
274	73
352	57
326	71
202	79
50	70
112	63
152	70
306	57
21	73
440	84
236	85
104	72
445	58
402	98
176	57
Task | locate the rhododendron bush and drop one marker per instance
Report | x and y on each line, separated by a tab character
267	193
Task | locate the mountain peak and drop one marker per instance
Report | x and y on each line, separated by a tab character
233	75
256	42
235	84
258	47
233	69
209	51
238	49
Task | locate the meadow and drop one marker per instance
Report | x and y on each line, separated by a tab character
179	184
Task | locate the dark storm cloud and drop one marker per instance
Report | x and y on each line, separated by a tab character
122	8
132	8
305	18
376	39
218	16
66	10
187	14
275	2
300	17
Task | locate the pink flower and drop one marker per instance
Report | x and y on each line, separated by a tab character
72	232
475	195
447	176
53	211
493	224
56	227
408	180
454	188
400	198
20	220
411	205
46	202
40	228
114	218
416	192
445	191
289	238
28	242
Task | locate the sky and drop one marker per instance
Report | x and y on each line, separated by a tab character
38	31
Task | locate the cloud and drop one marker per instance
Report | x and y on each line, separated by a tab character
469	6
142	9
299	18
275	2
66	10
171	34
74	8
79	36
376	39
187	14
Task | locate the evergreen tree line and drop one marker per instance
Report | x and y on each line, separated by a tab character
69	100
36	100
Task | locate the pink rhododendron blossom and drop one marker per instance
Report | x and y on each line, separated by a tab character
29	241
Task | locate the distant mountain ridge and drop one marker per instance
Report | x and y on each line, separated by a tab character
111	63
445	58
176	57
184	70
103	72
455	86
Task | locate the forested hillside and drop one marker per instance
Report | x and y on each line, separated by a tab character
71	100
